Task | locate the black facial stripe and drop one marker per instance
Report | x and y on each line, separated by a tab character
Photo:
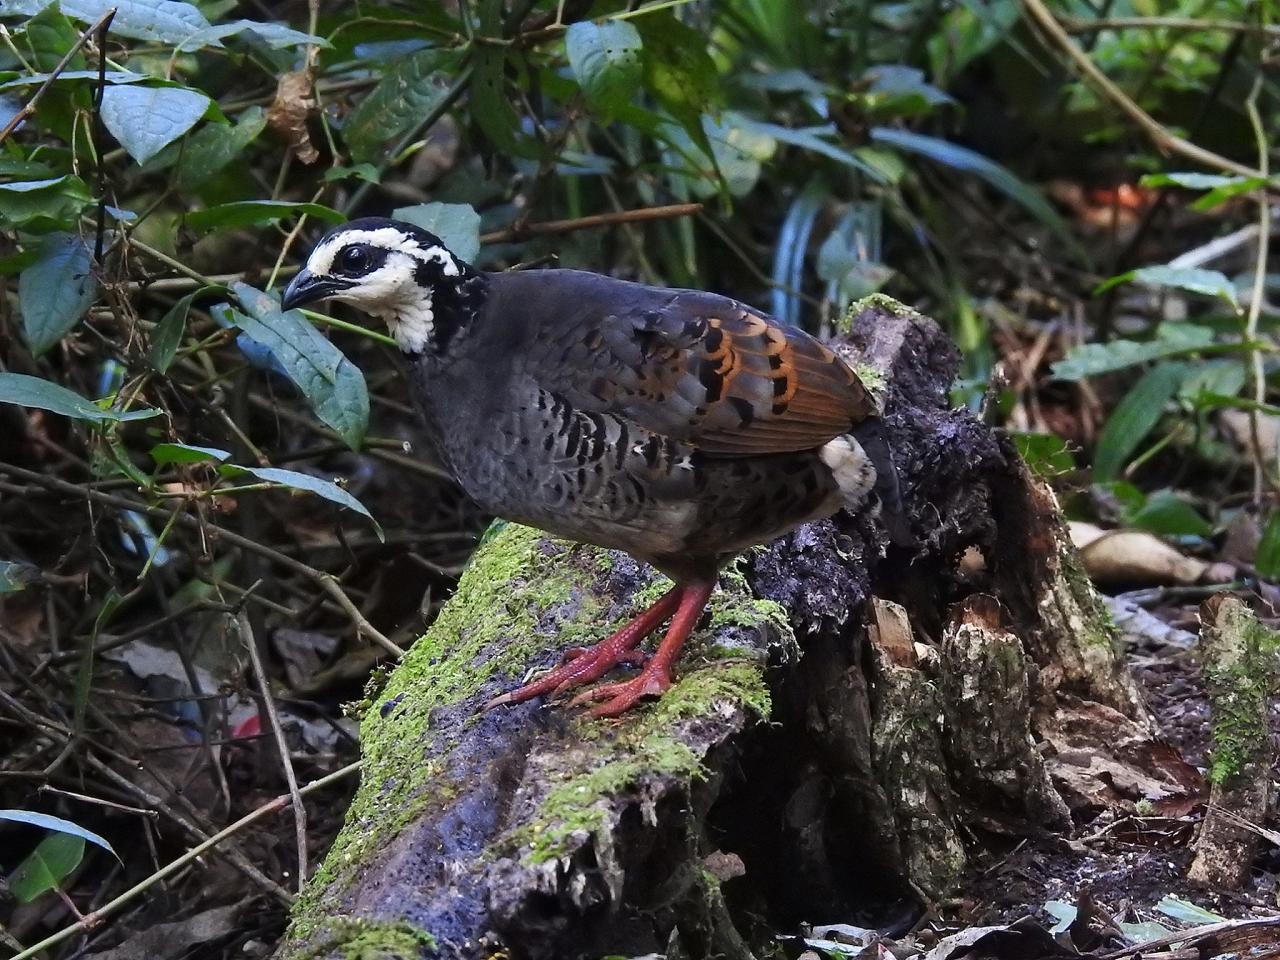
358	260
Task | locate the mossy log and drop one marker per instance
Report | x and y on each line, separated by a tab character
1241	661
845	717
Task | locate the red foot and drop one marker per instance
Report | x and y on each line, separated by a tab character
584	664
655	678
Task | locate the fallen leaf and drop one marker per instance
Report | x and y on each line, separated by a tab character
1134	556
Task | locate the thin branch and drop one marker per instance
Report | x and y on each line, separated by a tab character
1192	936
1091	25
595	220
282	745
1256	373
95	917
29	107
325	581
1165	141
99	133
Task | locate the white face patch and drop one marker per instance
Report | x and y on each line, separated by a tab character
392	292
387	238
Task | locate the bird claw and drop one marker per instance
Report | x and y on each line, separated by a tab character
579	665
622	696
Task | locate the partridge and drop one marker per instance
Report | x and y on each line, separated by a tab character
679	426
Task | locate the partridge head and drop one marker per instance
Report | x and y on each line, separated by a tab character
680	426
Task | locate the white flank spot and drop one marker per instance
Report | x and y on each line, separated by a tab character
851	467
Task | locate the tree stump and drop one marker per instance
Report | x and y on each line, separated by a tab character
847	723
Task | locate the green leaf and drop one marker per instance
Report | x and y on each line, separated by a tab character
277	36
491	107
605	59
457	224
1210	283
168	333
966	160
46	866
407	92
679	72
57	824
1267	558
332	384
57	200
159	21
1046	454
56	291
256	213
166	453
1219	186
1172	340
1180	909
739	146
1214	378
304	481
211	148
1134	417
49	35
15	576
1167	514
812	141
146	119
28	391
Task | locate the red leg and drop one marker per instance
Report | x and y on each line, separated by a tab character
590	663
655	678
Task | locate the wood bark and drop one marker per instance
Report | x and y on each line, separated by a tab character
848	725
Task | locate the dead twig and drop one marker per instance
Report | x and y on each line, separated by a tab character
325	581
95	917
638	215
245	630
1093	25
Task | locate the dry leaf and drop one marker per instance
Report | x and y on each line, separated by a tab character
289	112
1134	556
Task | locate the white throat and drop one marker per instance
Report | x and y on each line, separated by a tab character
412	323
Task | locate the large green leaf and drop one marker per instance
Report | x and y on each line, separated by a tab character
211	148
332	384
1171	340
26	391
49	35
1134	417
146	119
492	108
32	203
160	21
304	481
456	224
1209	283
962	158
256	213
679	72
46	866
56	291
605	58
58	825
407	92
814	141
739	147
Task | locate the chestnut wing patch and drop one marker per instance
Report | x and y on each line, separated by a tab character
717	375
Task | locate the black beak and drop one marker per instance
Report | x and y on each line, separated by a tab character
306	288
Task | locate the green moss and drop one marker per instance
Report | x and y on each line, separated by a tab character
359	939
878	301
643	746
502	615
1240	688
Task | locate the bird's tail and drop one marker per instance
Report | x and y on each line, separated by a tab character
870	435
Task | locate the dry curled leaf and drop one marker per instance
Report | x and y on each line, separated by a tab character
1134	556
289	112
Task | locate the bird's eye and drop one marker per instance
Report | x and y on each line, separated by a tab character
354	259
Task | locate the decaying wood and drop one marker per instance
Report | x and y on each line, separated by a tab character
1241	660
909	699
